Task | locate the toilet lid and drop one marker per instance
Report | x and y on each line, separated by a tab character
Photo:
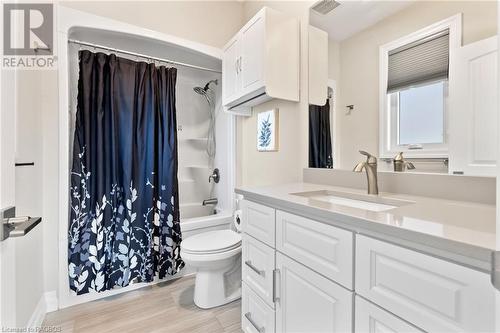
212	242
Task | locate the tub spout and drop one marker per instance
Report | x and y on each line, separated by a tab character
211	201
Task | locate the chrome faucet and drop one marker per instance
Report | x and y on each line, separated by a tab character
370	166
400	164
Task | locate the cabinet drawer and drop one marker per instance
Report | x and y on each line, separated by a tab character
256	315
309	302
258	221
258	267
430	293
322	247
371	318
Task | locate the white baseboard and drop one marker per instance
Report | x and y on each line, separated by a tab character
38	315
51	301
47	303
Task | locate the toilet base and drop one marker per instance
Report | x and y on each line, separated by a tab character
216	287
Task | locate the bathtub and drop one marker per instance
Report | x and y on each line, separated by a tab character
196	218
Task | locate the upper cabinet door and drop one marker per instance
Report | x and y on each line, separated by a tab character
231	68
309	302
264	64
473	108
318	66
252	54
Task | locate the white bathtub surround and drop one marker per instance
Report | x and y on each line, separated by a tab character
423	265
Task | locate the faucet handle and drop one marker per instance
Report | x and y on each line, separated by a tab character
369	157
410	166
399	156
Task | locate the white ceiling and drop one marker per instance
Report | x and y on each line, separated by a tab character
353	16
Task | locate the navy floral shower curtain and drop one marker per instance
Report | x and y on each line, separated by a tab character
124	220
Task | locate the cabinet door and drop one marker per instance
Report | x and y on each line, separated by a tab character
230	70
371	318
309	302
473	108
433	294
318	66
252	54
256	316
258	267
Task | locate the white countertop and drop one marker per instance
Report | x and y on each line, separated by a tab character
458	231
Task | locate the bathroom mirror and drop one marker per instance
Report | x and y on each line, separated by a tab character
404	76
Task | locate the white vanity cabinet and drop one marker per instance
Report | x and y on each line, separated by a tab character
301	275
261	62
291	264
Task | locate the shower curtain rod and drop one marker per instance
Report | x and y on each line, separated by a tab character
145	56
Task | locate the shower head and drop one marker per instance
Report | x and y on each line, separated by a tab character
203	91
199	90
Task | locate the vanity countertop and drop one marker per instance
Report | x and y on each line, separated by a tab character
457	231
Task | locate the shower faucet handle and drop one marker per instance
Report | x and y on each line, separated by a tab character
215	176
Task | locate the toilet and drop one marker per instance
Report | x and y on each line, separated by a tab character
216	256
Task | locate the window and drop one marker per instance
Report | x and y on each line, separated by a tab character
414	91
418	115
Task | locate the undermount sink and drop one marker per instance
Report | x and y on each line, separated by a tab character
372	203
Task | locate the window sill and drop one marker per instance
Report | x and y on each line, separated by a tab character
415	154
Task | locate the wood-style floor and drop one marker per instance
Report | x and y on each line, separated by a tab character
165	307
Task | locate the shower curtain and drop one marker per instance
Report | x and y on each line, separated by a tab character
124	219
320	139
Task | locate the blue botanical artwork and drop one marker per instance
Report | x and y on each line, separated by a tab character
267	130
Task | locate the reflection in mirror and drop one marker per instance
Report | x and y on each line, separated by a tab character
320	138
412	77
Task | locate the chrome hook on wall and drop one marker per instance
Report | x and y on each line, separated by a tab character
350	108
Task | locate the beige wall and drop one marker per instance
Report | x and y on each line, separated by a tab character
208	22
359	65
285	165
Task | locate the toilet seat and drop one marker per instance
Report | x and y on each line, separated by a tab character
211	242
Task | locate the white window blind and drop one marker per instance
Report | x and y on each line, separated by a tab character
420	62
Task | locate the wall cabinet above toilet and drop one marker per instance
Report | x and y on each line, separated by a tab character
261	62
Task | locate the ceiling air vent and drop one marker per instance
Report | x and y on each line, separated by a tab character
323	7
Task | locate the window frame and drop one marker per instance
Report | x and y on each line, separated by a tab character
388	126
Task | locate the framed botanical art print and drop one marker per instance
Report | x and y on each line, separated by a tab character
267	130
